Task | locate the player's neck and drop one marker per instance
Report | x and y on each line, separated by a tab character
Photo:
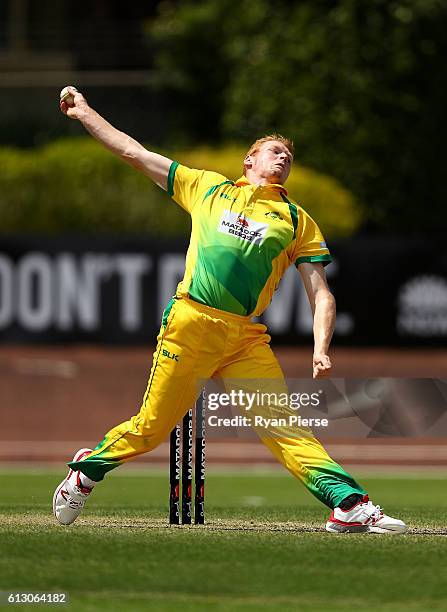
255	179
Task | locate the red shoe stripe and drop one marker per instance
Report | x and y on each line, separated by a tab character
85	454
85	490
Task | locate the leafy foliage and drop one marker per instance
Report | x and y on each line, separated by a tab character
360	86
75	185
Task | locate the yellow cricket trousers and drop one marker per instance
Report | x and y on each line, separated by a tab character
197	342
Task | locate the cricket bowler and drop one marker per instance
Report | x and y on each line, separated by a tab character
245	234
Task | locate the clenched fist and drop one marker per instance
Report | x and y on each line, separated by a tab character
321	365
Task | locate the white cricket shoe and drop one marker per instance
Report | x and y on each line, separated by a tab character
70	496
364	517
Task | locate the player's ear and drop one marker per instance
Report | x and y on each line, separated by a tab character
248	162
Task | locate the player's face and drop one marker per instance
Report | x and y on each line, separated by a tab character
272	162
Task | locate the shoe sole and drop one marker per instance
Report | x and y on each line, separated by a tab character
337	528
78	455
397	531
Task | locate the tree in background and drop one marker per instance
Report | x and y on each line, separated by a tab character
360	86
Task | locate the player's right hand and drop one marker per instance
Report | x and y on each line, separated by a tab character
79	106
321	365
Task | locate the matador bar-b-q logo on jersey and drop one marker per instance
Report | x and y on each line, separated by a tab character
239	226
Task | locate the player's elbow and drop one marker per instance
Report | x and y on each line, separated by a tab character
132	153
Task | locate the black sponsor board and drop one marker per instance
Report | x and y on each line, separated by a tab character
112	290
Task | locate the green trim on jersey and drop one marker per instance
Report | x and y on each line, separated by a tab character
293	214
171	176
214	188
324	259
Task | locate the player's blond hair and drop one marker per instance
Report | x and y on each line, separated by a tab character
275	137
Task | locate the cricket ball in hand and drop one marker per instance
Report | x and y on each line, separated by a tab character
66	95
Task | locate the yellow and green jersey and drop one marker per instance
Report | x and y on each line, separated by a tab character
243	239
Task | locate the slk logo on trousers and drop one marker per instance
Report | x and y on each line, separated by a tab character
169	355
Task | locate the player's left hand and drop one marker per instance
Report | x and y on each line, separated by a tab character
321	365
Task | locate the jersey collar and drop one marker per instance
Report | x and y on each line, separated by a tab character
243	182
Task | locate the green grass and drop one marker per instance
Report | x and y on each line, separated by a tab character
262	547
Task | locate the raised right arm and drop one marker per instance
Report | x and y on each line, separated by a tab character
153	165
